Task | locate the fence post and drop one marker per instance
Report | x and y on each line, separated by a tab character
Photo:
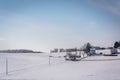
49	59
6	66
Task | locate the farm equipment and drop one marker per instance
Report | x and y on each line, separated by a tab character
72	56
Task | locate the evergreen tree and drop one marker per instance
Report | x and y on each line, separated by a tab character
88	46
116	44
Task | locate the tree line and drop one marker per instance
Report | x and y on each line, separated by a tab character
86	48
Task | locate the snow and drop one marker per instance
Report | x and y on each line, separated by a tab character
36	67
118	50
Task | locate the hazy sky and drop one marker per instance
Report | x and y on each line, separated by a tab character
47	24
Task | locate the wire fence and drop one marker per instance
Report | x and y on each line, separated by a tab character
17	63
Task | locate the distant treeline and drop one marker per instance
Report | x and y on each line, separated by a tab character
86	47
19	51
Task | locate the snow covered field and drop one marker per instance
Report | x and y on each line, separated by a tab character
36	67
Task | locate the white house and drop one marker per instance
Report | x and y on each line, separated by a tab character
104	51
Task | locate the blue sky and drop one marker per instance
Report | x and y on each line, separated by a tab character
47	24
